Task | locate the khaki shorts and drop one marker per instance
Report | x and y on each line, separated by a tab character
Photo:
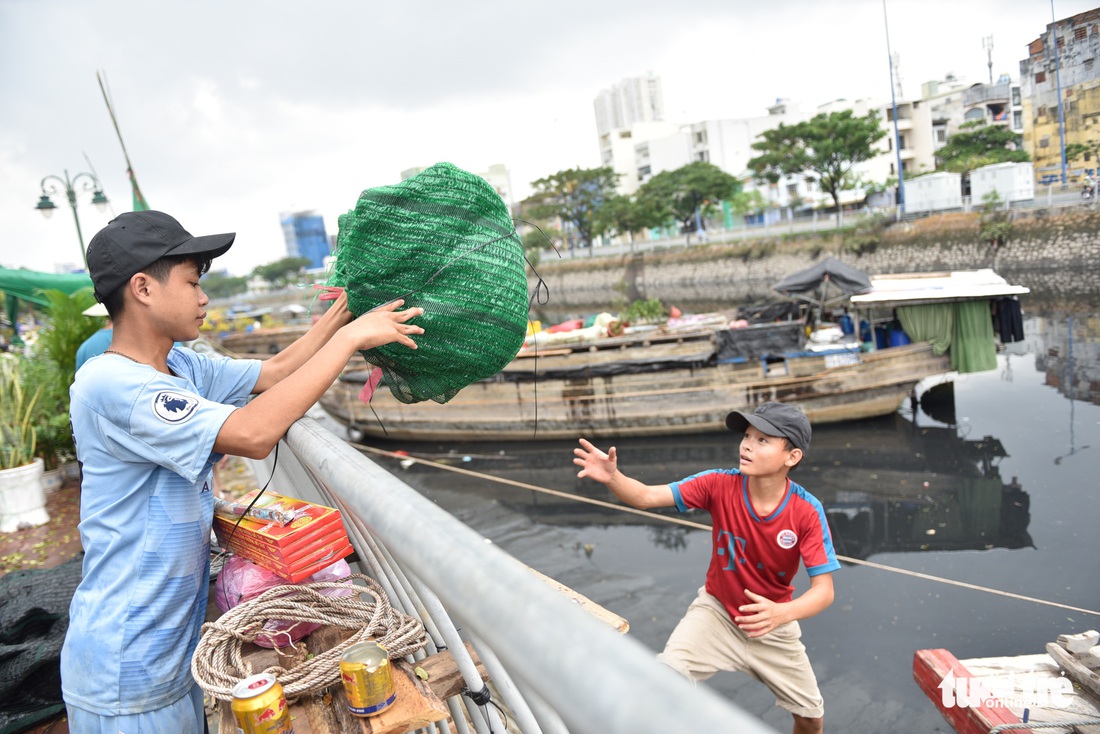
707	641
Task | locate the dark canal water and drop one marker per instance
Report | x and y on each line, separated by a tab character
1002	492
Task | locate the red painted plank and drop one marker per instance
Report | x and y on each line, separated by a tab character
929	669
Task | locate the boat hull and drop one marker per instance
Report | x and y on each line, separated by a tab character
547	399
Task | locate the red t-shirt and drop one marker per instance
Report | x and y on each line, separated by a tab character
760	554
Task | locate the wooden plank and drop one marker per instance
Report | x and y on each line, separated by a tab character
1074	669
443	675
1053	700
601	613
930	667
416	706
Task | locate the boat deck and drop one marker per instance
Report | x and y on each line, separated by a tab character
980	695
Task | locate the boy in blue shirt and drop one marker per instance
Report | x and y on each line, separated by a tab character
150	420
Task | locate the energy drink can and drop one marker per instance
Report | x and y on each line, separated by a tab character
368	678
259	706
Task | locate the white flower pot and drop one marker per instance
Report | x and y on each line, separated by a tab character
52	480
22	497
70	470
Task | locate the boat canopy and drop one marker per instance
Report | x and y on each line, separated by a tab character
911	289
849	280
952	311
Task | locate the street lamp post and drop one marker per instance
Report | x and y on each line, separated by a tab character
88	182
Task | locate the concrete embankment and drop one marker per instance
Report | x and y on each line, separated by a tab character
1057	255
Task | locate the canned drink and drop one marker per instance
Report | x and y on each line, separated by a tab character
368	678
259	706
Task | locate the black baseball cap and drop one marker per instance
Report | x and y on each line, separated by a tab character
133	241
774	419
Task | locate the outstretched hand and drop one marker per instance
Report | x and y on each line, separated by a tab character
384	325
595	464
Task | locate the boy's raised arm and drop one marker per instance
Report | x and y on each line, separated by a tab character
252	431
294	356
604	468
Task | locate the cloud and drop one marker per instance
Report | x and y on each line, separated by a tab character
233	112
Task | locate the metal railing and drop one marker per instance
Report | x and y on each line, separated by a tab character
557	668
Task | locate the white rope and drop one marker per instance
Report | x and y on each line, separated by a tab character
219	661
701	526
1044	725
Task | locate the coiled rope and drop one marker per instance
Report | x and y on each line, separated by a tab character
219	664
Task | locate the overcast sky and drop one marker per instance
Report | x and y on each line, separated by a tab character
237	110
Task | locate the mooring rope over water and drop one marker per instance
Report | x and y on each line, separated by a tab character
702	526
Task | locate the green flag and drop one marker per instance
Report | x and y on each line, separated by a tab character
140	205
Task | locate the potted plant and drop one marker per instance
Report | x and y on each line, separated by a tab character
22	496
55	444
66	329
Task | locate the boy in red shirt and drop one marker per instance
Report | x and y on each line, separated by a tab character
746	617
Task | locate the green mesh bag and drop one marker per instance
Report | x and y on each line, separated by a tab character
442	240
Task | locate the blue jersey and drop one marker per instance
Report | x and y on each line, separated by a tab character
93	345
145	441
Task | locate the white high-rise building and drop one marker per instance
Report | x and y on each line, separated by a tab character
638	99
629	113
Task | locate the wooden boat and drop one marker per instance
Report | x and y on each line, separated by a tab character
659	382
262	342
978	695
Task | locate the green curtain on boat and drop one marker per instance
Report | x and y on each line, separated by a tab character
933	323
965	327
973	348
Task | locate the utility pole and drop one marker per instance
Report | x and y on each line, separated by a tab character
894	94
1058	83
987	44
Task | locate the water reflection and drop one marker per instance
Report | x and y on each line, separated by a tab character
1069	354
887	485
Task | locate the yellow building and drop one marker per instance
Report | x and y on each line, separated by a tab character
1070	63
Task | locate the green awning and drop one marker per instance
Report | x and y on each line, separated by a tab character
27	285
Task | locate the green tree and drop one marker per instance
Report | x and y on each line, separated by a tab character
282	272
995	225
1078	150
686	195
621	215
575	196
223	285
535	241
745	203
824	149
978	144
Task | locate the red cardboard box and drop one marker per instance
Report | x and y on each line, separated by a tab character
314	539
332	536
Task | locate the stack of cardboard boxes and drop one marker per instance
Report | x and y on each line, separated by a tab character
313	539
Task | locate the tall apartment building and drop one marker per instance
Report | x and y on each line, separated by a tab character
1065	57
995	104
638	99
629	113
926	124
305	236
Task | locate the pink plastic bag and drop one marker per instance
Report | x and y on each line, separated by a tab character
240	580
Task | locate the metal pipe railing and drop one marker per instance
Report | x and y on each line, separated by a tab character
595	679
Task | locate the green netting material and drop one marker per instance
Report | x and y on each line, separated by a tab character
443	240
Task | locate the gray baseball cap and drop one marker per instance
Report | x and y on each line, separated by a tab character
774	419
